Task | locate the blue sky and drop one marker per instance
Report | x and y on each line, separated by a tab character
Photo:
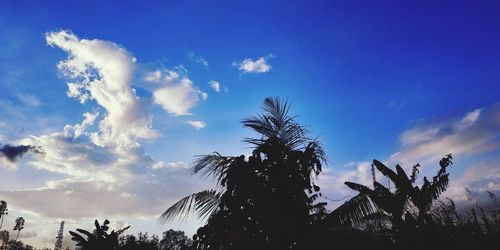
370	80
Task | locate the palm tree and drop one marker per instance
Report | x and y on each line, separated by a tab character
3	211
264	200
19	226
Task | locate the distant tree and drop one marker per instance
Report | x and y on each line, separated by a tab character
265	200
174	240
99	238
19	226
141	242
3	211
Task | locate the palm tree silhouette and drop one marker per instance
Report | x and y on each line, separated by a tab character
19	226
3	211
265	200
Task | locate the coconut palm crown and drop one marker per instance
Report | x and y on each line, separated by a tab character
257	193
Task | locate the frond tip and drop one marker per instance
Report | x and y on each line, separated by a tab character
204	203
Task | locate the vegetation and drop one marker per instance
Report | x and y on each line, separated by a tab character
260	193
269	200
3	212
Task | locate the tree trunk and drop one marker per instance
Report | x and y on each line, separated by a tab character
18	231
1	223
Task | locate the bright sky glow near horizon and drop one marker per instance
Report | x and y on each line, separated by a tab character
122	95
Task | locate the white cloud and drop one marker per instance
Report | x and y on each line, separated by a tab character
332	181
476	132
97	168
197	124
176	94
250	65
77	130
179	164
215	85
102	71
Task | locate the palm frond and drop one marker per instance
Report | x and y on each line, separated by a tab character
204	203
353	211
214	165
276	124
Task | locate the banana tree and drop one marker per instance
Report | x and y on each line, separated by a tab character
381	201
99	238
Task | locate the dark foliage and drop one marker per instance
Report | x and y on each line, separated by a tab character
98	239
260	194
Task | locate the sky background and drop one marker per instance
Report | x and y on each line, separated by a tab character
121	96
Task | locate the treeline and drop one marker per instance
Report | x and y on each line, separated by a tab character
102	238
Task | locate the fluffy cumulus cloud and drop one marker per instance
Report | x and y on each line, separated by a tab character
250	65
97	167
102	71
175	93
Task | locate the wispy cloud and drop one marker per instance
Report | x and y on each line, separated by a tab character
197	124
250	65
474	133
196	58
29	100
